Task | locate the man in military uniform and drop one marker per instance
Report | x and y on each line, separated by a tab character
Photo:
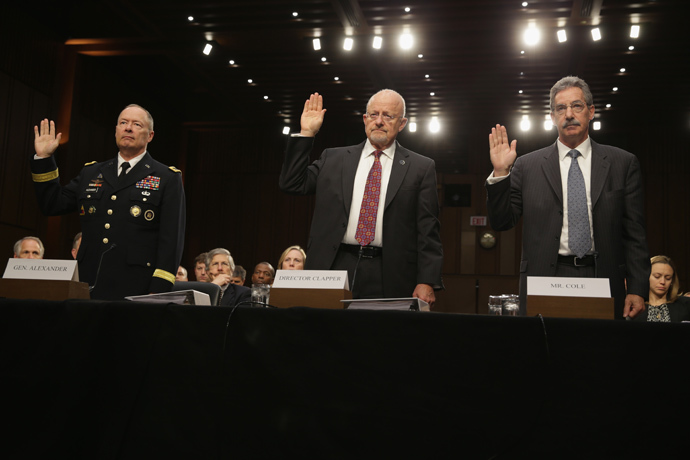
132	210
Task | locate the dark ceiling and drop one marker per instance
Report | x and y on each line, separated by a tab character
477	64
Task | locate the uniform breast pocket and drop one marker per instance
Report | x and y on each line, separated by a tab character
88	204
144	206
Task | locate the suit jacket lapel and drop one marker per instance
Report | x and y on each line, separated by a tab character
350	164
600	170
109	171
142	169
552	171
401	164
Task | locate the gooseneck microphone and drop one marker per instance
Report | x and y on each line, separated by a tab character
98	270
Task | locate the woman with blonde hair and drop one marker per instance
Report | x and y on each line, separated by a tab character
664	303
293	258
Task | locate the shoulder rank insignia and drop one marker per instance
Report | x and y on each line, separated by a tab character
90	163
174	169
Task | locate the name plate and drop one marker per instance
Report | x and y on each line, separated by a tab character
42	269
568	287
311	279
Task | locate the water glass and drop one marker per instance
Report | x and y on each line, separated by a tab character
495	304
511	305
261	293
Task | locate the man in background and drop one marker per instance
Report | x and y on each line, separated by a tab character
29	247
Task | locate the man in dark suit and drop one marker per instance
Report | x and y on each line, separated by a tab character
376	212
582	202
219	268
132	210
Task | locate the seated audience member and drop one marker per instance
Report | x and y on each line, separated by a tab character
200	268
664	304
29	247
75	245
220	267
181	274
293	258
263	273
239	274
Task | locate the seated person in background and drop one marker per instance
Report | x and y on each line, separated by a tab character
181	274
200	268
293	258
239	274
664	304
263	273
76	243
219	268
29	247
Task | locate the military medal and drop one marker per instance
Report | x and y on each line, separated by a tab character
135	211
92	209
148	215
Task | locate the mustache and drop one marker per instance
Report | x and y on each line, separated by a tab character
572	122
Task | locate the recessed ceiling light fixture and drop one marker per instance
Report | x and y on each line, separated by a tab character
378	41
347	44
207	49
634	31
316	43
596	34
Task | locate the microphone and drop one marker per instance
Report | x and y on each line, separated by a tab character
98	270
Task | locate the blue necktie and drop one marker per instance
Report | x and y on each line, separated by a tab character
579	237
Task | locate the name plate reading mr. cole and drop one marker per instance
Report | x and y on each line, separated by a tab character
42	269
311	279
568	287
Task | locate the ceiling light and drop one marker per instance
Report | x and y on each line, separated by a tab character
420	56
634	31
434	125
207	49
562	37
317	44
596	126
295	14
412	126
323	59
190	18
622	69
406	41
531	35
608	106
427	76
522	52
524	4
286	130
250	81
407	9
596	34
631	47
525	124
615	88
265	98
432	94
231	62
347	44
519	91
336	78
377	42
548	124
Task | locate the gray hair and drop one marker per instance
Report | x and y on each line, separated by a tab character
214	252
571	82
239	272
18	245
149	118
388	91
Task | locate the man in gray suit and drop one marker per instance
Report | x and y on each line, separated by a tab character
582	202
376	212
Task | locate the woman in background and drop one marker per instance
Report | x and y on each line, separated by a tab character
664	304
293	258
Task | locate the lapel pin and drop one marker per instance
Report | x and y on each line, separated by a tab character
402	162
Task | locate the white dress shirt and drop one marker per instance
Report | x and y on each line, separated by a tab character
366	161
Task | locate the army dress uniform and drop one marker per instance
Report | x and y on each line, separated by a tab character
135	224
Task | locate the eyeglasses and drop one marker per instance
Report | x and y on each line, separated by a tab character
576	107
375	115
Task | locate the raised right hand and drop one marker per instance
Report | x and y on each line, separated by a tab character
503	153
312	115
45	141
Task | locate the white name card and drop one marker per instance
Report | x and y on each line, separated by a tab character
42	269
311	279
568	287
